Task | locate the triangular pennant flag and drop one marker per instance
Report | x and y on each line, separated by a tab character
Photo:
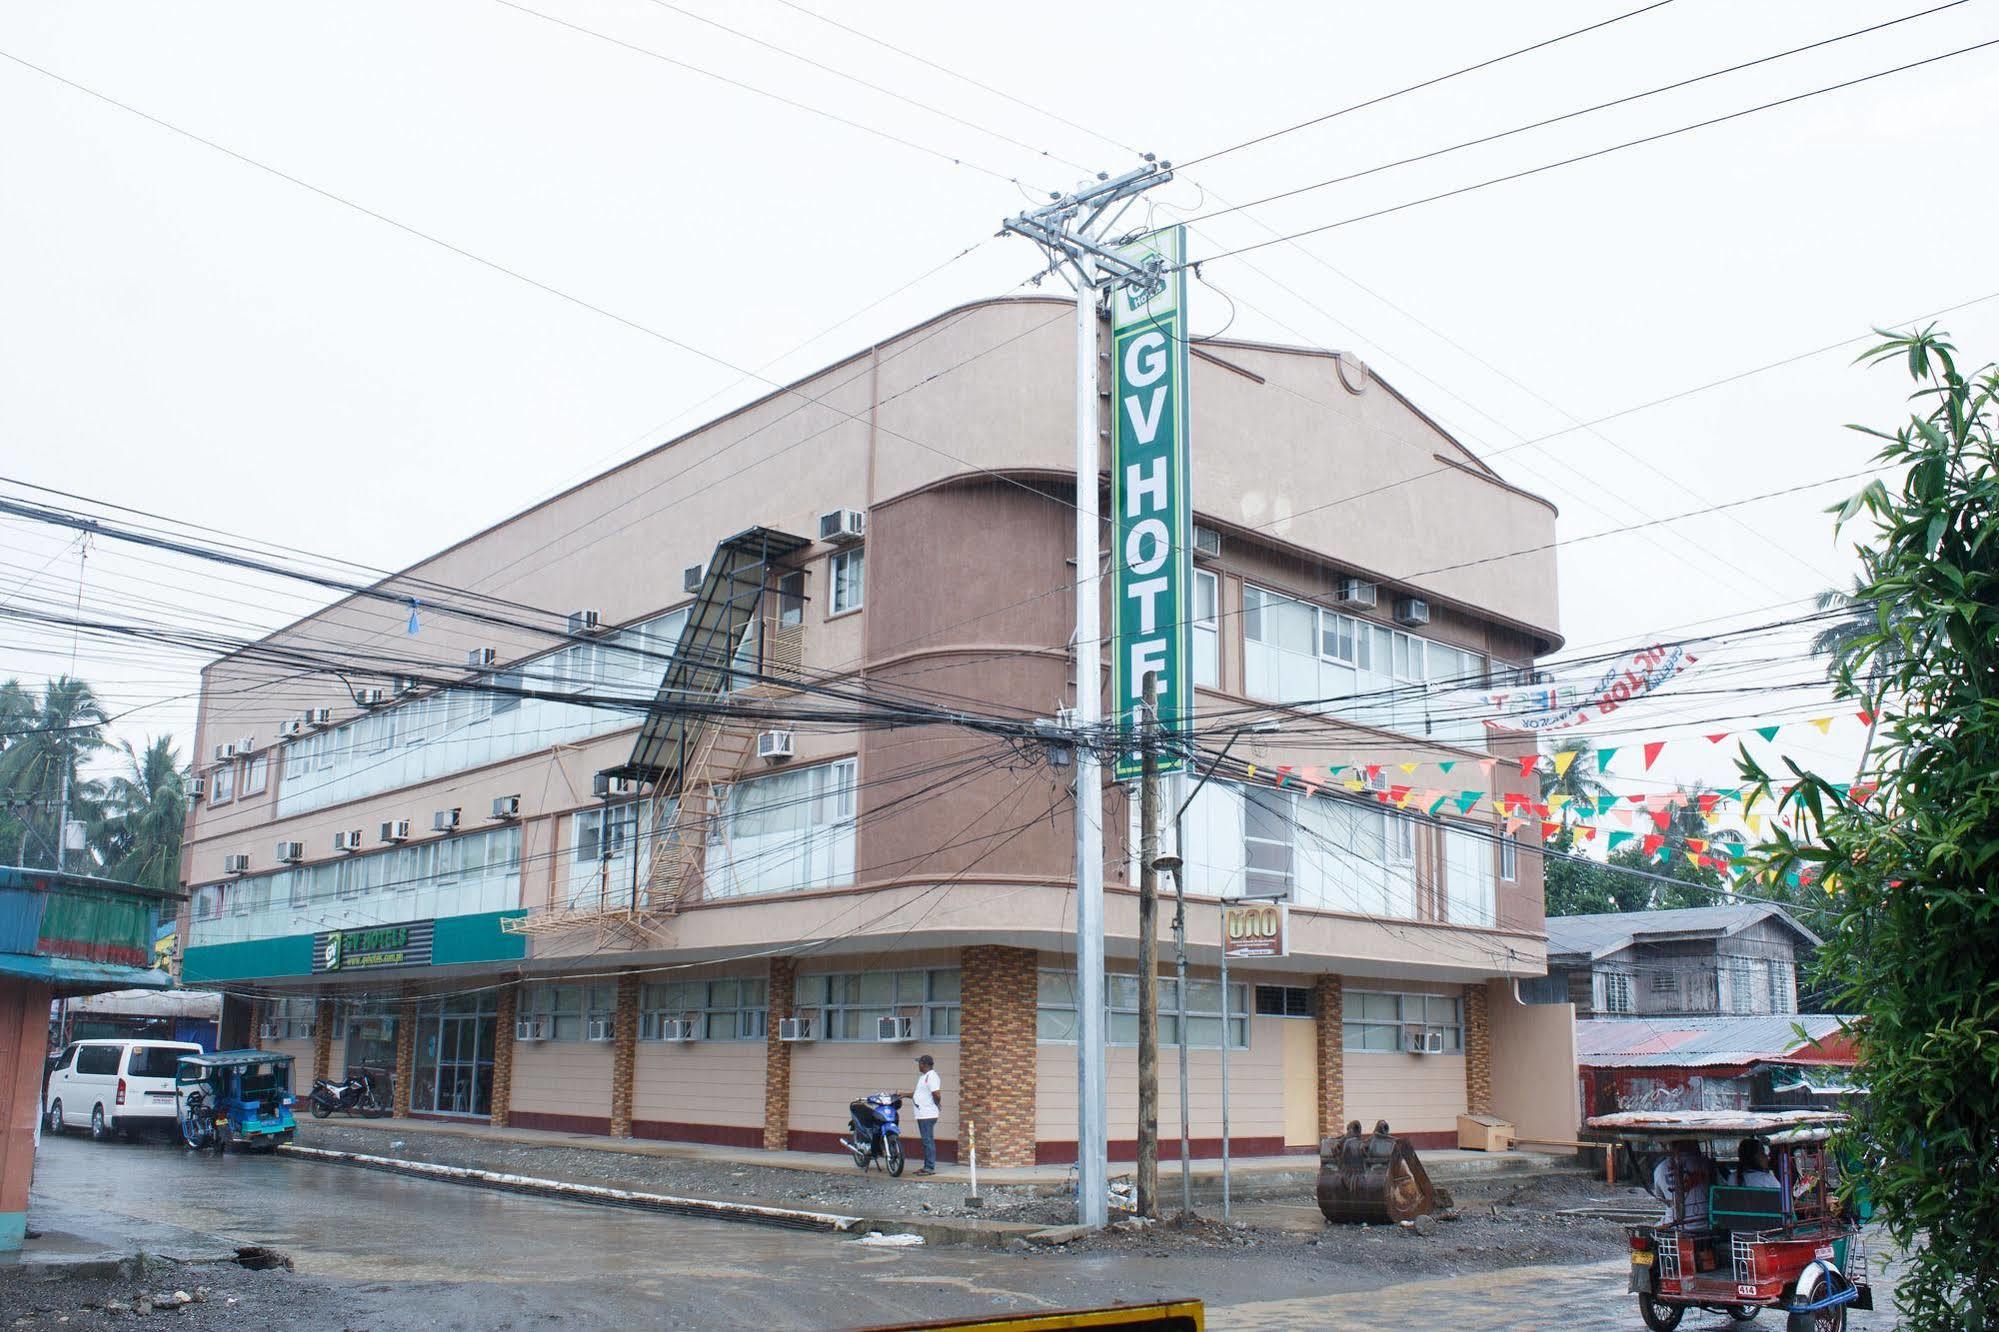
1541	809
1603	758
1438	803
1708	800
1717	739
1337	769
1588	831
1696	860
1623	816
1824	724
414	626
1866	717
1563	759
1398	793
1408	769
1514	825
1652	842
1662	818
1604	804
1447	764
1755	822
1618	839
1374	772
1549	829
1698	843
1528	762
1652	753
1736	850
1556	801
1768	732
1466	799
1638	799
1861	791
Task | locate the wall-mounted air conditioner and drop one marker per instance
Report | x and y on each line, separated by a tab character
236	863
1422	1040
444	820
1433	1042
531	1029
197	787
270	1031
598	1029
350	840
479	659
246	744
371	698
774	746
290	853
291	726
843	525
797	1029
506	807
691	576
1352	591
319	716
677	1029
1412	610
402	684
894	1030
395	830
584	622
604	785
1207	542
223	753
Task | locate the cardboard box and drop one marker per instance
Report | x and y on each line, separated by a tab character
1484	1133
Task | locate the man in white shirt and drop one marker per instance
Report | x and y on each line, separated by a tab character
1752	1166
929	1096
1686	1173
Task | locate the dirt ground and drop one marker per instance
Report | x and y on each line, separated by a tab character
199	1297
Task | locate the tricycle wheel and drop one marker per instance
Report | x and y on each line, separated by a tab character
894	1156
1745	1313
1818	1320
1659	1316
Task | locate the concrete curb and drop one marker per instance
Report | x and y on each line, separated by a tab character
756	1213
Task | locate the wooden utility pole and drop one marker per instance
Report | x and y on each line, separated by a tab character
1148	957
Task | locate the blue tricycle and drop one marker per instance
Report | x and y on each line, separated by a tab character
242	1096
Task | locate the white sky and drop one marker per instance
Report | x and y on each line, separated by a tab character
185	333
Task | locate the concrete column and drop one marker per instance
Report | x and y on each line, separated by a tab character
1329	1012
996	1052
405	1052
1478	1053
624	1054
24	1039
503	1053
783	991
322	1038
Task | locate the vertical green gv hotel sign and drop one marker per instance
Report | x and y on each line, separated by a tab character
1151	520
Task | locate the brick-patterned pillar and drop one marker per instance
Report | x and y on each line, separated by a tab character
258	1007
1478	1053
996	1052
405	1053
322	1038
624	1054
783	990
503	1053
1329	1012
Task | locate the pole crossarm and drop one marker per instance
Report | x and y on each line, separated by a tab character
1065	228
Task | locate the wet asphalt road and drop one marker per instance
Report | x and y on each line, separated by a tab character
422	1255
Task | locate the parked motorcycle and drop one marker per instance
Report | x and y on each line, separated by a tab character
356	1096
876	1132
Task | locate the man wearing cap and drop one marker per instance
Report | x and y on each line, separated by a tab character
929	1095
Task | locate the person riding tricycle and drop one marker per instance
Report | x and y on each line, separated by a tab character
1764	1230
236	1096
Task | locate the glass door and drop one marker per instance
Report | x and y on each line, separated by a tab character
454	1057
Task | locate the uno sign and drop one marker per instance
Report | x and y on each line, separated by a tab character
1255	930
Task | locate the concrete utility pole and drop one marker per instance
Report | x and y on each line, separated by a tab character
1148	957
1072	231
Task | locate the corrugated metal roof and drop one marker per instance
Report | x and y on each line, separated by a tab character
1609	932
1695	1042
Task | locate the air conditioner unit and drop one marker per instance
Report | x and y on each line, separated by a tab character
796	1029
604	785
1207	541
290	727
584	622
347	841
237	863
691	576
197	787
319	716
480	658
1356	592
395	830
1433	1042
531	1029
893	1030
1412	610
223	753
444	820
370	698
843	525
598	1029
506	807
290	853
677	1029
774	746
270	1031
246	744
403	684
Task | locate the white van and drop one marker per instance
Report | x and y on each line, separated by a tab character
121	1086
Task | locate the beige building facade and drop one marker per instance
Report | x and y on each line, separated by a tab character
454	856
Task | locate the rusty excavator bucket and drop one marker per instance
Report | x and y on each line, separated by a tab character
1374	1178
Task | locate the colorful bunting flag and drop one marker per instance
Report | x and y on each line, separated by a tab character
1618	839
1717	739
1866	717
1549	829
1652	842
1447	764
1466	799
1768	732
1563	759
1603	758
1652	753
1528	762
1824	724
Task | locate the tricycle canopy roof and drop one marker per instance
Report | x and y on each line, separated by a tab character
235	1059
1773	1125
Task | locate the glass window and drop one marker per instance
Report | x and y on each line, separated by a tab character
1055	1012
785	831
791	598
1616	987
1206	638
1509	857
1283	1001
257	774
1384	1022
851	1006
222	785
1267	842
849	570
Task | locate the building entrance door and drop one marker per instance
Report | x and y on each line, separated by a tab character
454	1055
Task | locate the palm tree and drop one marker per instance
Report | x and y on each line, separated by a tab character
1580	783
1857	621
44	750
137	837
